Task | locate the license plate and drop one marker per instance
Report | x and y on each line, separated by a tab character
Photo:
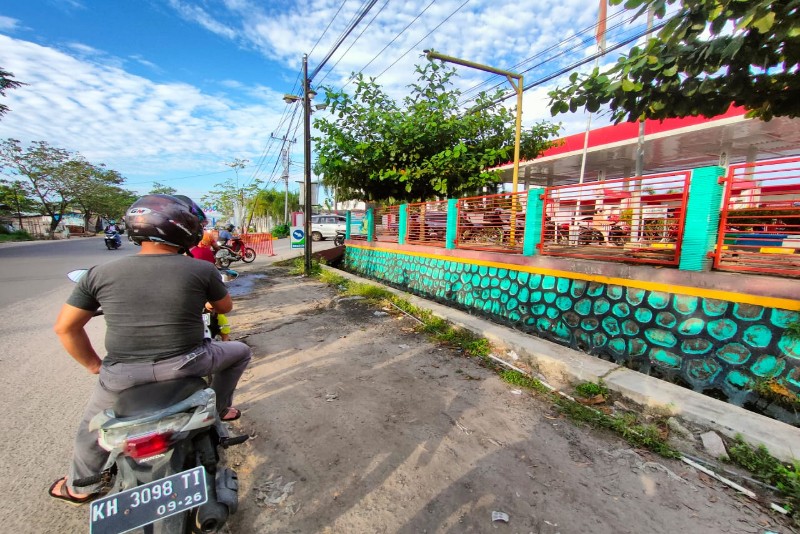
148	503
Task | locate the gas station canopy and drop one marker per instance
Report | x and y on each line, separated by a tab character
669	145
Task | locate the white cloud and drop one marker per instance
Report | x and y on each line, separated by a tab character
132	124
7	24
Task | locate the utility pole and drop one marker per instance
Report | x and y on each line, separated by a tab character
285	155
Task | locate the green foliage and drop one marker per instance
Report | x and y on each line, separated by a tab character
19	235
161	189
7	82
785	477
591	389
55	180
515	378
299	267
707	56
280	231
374	149
627	425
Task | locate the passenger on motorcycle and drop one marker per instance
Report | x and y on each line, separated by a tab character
152	303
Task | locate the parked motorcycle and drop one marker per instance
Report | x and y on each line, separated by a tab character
113	240
339	239
163	472
618	232
236	250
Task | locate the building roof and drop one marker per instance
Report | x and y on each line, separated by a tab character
669	145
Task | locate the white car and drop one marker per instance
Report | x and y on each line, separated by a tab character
325	226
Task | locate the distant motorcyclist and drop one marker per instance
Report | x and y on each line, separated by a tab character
112	228
152	303
225	234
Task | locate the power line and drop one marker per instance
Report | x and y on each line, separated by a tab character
354	42
342	38
328	26
556	46
397	36
425	37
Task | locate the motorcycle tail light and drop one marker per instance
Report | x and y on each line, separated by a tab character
147	445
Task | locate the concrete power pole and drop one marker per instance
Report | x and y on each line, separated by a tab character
285	177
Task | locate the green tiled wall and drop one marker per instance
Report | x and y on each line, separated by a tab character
716	347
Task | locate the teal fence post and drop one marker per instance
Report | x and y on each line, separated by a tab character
370	224
348	220
402	224
702	219
533	222
452	223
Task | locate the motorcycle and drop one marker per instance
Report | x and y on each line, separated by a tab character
235	251
339	239
163	471
112	240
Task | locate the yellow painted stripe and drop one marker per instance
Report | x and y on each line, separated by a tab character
731	296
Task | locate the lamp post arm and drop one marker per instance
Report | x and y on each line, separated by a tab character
430	54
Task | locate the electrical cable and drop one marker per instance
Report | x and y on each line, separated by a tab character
577	64
398	35
556	46
341	39
328	26
425	37
354	42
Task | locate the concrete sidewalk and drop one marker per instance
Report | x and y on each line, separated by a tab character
559	366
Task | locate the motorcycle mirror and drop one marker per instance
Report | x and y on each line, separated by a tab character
77	274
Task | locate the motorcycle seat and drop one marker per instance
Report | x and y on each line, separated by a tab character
149	398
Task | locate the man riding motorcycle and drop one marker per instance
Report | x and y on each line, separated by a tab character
152	303
113	229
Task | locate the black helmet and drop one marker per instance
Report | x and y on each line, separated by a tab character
174	220
229	228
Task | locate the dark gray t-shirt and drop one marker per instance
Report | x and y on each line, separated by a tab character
152	303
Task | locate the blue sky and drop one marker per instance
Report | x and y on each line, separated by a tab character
170	91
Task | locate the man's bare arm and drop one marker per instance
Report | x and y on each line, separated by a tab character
70	330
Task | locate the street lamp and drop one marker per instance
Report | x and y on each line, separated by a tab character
306	97
510	76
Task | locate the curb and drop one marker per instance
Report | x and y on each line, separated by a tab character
561	366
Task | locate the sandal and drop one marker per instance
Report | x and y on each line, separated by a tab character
230	414
64	494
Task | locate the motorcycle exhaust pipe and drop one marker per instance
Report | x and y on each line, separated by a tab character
223	500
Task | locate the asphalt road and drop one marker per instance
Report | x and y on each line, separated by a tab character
42	390
33	268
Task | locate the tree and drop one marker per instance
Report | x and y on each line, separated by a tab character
15	198
228	196
161	189
373	148
58	180
44	167
709	55
271	203
7	82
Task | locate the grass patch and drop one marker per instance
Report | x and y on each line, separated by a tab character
591	389
298	267
648	436
765	467
774	392
19	235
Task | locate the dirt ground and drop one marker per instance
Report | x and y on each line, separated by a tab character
362	425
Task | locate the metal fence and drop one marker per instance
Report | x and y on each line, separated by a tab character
492	222
427	223
760	218
638	220
387	223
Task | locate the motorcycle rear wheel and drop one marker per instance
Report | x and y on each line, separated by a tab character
249	255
